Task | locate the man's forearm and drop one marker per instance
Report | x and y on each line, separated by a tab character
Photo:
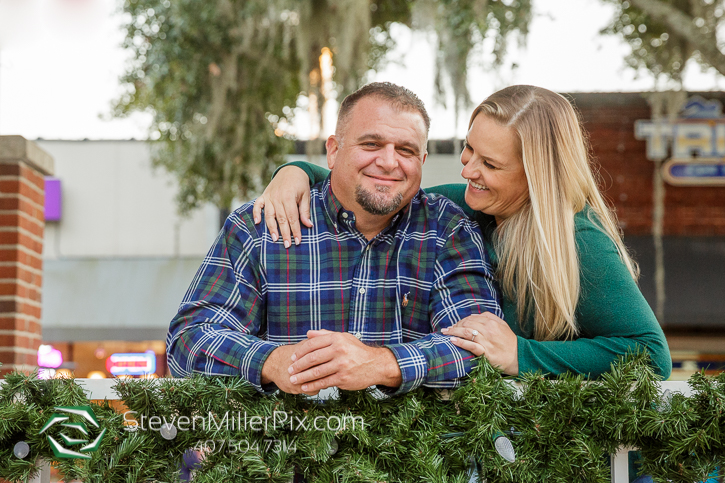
271	364
267	372
390	375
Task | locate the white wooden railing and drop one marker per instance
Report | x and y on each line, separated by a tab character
103	389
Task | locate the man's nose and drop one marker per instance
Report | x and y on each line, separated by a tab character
387	158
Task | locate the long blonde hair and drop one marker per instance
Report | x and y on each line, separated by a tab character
538	263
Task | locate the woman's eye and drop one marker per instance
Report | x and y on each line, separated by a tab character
467	146
488	165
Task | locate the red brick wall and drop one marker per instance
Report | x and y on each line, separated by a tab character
627	173
22	197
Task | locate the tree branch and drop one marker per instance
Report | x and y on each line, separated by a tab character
682	25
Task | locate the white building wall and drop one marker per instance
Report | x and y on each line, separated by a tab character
116	205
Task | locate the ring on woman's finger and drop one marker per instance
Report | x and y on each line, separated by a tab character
474	333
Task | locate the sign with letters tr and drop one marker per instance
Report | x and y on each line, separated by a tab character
696	141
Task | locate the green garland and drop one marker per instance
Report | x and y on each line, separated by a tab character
563	430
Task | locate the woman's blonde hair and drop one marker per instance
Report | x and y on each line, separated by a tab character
538	263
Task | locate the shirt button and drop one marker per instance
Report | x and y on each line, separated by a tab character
358	335
362	290
344	215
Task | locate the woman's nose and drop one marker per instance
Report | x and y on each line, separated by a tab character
468	170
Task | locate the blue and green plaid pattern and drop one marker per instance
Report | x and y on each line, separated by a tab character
426	271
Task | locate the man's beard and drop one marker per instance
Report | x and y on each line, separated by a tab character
376	203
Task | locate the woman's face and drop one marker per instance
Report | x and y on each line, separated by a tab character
495	173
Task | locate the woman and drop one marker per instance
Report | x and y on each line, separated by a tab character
571	301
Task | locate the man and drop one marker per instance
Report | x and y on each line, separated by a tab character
360	302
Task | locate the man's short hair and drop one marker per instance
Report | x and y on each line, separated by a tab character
398	96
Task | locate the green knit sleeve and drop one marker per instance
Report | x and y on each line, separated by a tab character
315	172
456	192
612	314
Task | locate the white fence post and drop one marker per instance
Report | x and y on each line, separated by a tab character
42	476
620	465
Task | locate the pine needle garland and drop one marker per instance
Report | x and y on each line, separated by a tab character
561	430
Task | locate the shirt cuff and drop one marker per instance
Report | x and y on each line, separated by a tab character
252	360
413	368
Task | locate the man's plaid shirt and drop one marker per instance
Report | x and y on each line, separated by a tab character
427	270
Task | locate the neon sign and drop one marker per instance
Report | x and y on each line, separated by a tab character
131	363
49	356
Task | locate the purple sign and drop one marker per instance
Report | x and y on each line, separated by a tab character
52	199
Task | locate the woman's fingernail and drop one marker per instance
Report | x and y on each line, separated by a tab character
304	388
286	244
294	357
444	329
454	339
293	379
297	241
274	237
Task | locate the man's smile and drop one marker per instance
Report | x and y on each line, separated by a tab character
382	179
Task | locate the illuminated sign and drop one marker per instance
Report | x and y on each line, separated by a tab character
131	363
700	172
49	356
696	141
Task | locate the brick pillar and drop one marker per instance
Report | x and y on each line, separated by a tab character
23	166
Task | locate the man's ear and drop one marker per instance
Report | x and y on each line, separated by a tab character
332	146
425	156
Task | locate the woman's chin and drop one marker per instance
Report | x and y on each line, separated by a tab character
474	202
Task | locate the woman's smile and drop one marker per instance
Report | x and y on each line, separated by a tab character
477	186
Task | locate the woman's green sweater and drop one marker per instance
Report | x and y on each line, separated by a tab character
612	315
